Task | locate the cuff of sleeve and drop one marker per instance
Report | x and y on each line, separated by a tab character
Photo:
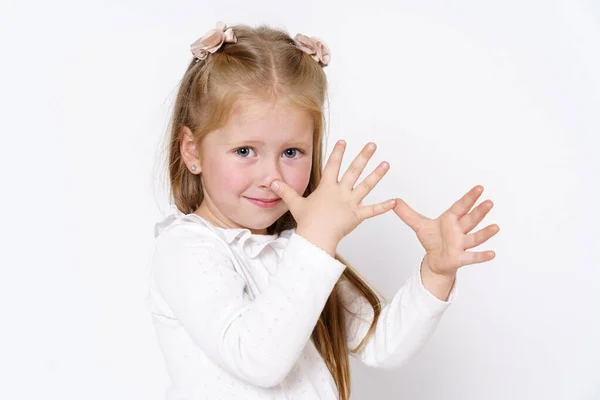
300	248
428	300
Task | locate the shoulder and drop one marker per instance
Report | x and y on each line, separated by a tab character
186	235
185	253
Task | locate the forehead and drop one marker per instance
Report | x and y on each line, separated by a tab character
268	122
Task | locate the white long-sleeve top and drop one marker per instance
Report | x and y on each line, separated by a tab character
234	311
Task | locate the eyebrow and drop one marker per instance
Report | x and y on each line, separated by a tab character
250	141
297	143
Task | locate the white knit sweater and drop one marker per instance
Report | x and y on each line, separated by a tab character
234	312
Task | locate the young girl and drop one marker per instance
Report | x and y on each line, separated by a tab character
248	296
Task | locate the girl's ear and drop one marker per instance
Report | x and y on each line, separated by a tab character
189	152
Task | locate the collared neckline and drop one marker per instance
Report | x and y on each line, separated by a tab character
251	243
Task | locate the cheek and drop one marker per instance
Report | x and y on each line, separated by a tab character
298	178
227	178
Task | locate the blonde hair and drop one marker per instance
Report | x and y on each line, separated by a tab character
264	64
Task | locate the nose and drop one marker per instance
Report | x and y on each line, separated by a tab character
269	170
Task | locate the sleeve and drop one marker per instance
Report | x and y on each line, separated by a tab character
404	326
256	340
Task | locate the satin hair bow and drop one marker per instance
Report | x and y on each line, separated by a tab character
212	41
313	46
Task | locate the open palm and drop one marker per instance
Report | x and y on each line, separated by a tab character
447	237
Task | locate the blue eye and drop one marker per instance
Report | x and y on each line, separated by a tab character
247	149
294	151
244	152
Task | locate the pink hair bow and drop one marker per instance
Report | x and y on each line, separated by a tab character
212	41
313	46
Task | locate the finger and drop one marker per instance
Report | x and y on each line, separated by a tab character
408	215
374	210
365	187
332	168
481	236
287	194
357	166
464	204
470	257
471	220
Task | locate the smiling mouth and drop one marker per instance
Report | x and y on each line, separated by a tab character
263	200
265	203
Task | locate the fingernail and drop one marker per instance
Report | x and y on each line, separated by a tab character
385	165
275	185
342	142
371	146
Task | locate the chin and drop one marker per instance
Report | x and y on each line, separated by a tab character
259	225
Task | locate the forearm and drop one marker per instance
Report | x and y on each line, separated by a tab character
405	323
439	285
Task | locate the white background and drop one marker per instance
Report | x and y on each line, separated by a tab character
505	94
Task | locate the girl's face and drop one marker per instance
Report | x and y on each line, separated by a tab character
262	141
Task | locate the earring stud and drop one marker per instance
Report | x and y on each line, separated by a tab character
194	168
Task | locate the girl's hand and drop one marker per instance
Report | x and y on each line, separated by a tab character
446	238
334	209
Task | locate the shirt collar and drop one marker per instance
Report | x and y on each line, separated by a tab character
251	244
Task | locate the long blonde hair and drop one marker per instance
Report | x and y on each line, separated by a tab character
266	64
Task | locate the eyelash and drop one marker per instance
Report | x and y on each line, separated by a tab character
291	148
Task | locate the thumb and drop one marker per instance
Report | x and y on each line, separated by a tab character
408	215
286	192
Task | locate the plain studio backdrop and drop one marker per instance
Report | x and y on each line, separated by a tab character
505	94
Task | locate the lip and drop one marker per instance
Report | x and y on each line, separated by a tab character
264	203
